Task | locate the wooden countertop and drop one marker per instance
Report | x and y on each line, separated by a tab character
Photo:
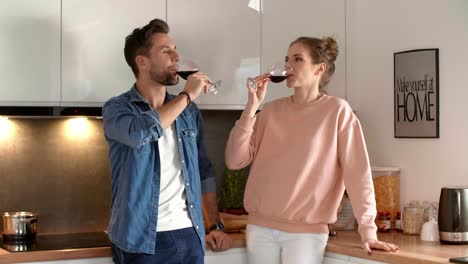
412	250
7	257
97	252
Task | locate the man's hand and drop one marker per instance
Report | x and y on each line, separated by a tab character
371	243
218	241
196	83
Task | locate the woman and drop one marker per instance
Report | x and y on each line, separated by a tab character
303	150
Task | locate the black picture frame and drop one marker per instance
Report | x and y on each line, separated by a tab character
416	93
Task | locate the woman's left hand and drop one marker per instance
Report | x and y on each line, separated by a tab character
376	244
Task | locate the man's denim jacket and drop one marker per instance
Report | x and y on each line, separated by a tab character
132	130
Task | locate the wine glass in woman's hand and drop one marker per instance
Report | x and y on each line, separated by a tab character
277	73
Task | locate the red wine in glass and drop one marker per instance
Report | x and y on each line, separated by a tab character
185	74
278	78
185	67
277	73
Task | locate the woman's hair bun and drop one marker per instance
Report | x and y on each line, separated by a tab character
330	48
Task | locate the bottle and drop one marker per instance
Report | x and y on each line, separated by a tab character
398	222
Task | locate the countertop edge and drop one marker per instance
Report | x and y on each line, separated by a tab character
48	255
377	255
412	250
81	253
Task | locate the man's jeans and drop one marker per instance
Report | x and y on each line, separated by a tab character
180	246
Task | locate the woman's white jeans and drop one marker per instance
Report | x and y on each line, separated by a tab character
271	246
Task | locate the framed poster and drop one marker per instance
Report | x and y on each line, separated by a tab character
416	93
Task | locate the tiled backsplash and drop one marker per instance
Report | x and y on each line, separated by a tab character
59	168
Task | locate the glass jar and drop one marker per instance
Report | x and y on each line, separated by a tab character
388	219
383	221
412	220
386	182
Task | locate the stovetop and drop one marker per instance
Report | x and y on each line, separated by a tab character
58	242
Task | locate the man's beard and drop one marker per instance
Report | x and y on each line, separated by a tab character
164	78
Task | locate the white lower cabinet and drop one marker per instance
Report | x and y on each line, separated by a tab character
328	260
332	258
75	261
231	256
353	260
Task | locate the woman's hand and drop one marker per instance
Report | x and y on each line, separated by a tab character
256	97
376	244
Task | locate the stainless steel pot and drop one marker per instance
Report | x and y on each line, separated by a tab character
16	246
19	226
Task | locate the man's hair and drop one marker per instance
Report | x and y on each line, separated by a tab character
139	42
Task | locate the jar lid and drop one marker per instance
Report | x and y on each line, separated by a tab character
414	209
384	169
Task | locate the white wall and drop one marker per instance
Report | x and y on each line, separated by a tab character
375	30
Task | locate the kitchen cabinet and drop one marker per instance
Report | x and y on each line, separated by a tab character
30	52
333	258
353	260
328	260
70	52
93	38
284	21
223	38
75	261
231	256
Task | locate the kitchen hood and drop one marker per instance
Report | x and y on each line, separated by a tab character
46	111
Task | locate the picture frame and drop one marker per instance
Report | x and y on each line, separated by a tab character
416	93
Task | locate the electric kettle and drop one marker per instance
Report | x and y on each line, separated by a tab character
453	215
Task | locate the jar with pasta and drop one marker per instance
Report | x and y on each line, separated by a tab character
387	190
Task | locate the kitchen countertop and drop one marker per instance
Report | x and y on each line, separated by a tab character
412	250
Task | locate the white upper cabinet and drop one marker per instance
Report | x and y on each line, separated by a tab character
30	52
223	38
93	38
284	21
70	52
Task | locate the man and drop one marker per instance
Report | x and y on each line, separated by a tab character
158	160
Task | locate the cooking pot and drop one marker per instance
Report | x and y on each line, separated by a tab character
17	246
19	226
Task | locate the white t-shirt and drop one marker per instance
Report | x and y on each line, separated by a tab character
172	211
